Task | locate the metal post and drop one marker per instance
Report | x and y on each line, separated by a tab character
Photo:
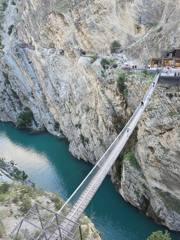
80	232
59	229
19	228
36	206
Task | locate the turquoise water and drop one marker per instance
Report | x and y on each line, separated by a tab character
47	161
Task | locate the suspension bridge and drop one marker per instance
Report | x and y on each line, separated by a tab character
63	225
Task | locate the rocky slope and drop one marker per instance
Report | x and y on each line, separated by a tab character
51	78
17	199
152	184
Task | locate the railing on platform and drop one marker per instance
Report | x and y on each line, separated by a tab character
37	219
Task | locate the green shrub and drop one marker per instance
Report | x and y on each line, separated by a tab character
121	82
25	118
25	205
2	163
105	63
94	57
84	139
10	29
14	94
145	72
159	29
19	175
115	46
173	113
132	159
4	5
4	188
103	74
57	202
159	235
2	230
15	199
6	77
56	126
28	191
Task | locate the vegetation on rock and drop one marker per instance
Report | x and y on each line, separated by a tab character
25	118
115	46
106	63
10	29
12	170
121	82
159	235
2	229
131	158
4	188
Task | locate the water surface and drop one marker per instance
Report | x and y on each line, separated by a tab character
49	164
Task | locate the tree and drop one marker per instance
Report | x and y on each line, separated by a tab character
115	47
4	188
121	81
25	118
159	235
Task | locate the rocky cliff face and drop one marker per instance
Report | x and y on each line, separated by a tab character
152	184
50	64
163	34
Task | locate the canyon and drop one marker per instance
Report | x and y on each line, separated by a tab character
51	70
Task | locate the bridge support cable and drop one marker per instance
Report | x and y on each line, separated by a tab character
78	201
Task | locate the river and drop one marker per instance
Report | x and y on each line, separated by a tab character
50	166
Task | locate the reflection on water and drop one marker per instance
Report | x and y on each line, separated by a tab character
32	162
23	156
44	158
50	166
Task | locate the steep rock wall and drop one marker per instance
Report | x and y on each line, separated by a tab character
152	184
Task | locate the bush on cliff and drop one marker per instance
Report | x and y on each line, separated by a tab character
115	46
25	204
2	230
25	118
121	83
105	63
130	157
159	235
4	188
